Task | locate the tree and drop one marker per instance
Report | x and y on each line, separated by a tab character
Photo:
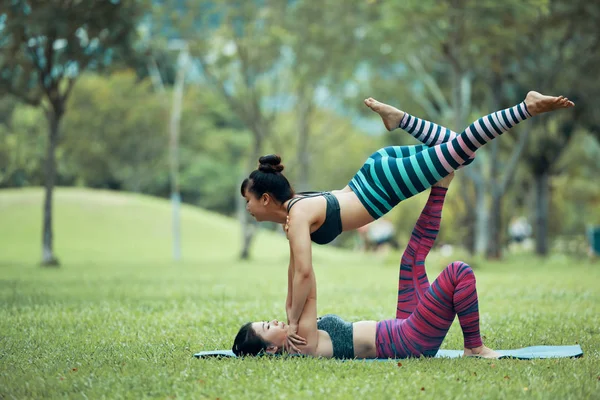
124	147
236	47
45	46
323	51
444	51
265	59
562	54
22	146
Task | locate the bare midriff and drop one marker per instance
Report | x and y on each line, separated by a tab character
352	211
363	333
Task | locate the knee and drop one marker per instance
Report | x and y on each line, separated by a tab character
459	270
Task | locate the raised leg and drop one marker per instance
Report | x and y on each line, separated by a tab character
413	281
453	293
422	333
427	132
383	181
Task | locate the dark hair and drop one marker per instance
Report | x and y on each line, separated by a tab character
248	343
268	179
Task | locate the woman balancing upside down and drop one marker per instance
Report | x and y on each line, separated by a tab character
389	176
424	312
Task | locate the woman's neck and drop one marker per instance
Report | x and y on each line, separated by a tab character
280	213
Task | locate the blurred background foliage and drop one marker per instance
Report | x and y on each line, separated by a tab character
289	77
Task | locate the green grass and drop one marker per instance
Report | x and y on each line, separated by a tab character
118	319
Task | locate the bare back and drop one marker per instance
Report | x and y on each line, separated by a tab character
352	212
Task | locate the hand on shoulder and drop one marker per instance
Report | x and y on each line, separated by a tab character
286	226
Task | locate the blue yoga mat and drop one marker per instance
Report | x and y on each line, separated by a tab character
526	353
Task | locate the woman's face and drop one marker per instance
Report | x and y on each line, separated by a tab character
273	332
257	207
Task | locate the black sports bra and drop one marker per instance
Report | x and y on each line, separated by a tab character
332	226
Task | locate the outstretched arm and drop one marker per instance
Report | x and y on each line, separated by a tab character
302	276
290	291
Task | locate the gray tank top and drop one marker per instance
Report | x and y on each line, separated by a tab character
332	226
341	335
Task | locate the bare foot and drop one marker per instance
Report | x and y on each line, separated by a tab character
538	103
481	351
391	116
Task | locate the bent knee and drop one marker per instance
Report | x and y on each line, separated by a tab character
459	268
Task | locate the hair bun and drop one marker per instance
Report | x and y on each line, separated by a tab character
270	163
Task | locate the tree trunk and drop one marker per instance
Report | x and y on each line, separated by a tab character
481	222
494	248
305	108
248	227
468	219
48	258
174	124
542	200
494	245
248	223
478	219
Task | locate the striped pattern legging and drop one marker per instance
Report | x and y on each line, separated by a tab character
395	173
424	312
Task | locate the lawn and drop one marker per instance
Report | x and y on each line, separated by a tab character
118	319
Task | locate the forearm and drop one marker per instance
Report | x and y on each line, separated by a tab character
290	291
300	289
302	273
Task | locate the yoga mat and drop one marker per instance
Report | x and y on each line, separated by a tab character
525	353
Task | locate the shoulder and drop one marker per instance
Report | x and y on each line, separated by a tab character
308	206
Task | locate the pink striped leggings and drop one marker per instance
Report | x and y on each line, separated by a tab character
425	313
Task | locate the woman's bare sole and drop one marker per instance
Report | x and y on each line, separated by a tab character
481	351
538	103
390	116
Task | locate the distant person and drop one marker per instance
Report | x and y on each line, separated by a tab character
377	234
519	229
594	241
389	175
519	232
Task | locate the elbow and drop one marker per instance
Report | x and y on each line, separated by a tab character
303	274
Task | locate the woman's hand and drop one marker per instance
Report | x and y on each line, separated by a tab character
286	226
293	340
445	182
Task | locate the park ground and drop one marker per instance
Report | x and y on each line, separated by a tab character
119	319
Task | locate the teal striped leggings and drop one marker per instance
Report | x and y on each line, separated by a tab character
395	173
